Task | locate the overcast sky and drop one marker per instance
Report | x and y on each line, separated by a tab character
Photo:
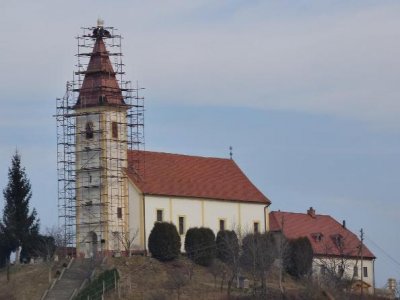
307	95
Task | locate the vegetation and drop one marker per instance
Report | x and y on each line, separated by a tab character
227	246
299	257
106	281
19	228
164	241
258	254
200	245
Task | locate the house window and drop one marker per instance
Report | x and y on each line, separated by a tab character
114	130
340	271
119	212
89	130
365	272
181	225
355	271
159	215
323	270
221	224
256	227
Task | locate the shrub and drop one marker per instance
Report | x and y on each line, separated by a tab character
164	241
299	257
227	246
258	251
200	245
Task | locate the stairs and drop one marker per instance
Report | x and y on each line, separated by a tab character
70	280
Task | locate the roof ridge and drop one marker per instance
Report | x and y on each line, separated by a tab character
187	155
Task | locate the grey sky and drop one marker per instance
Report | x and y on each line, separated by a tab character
306	93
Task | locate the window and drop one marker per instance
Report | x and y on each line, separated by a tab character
340	271
256	227
355	271
323	270
181	225
114	128
119	212
89	130
221	224
159	215
365	272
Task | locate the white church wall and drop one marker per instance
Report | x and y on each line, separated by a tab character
135	217
204	212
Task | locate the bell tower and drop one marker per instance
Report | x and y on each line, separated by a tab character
100	153
99	120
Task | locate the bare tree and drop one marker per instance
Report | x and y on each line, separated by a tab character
339	271
176	281
228	252
127	239
258	255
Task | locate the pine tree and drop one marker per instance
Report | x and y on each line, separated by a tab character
19	227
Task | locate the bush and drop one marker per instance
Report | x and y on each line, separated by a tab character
259	250
164	241
106	281
227	246
200	245
299	257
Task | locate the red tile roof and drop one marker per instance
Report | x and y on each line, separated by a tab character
100	86
297	225
179	175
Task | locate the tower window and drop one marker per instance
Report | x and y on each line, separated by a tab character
119	212
114	130
89	130
181	225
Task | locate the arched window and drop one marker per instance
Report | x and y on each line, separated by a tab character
89	130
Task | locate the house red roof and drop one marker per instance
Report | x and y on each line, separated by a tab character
327	236
179	175
99	86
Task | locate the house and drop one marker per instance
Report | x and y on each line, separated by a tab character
337	251
117	201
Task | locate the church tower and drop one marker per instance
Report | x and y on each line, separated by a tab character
101	145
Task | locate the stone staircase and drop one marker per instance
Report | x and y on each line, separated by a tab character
71	280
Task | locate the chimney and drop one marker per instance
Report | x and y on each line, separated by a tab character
311	212
344	224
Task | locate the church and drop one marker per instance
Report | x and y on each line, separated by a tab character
119	190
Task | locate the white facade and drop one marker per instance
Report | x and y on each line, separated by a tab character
351	269
194	212
101	184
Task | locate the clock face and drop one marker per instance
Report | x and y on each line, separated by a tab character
89	130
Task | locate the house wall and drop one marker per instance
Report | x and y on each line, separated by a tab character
196	213
333	263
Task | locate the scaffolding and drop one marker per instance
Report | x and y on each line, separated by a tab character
92	153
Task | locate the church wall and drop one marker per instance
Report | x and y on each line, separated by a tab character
203	212
136	217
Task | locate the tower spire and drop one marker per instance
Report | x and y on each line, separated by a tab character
100	86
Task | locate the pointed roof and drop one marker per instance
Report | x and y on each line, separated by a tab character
100	86
177	175
323	232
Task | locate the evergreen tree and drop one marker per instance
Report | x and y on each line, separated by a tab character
19	226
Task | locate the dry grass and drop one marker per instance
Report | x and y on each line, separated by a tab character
27	282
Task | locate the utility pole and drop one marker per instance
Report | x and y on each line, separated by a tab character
362	268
